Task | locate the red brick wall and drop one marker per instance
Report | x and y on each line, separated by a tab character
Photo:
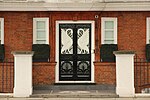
18	36
105	73
43	73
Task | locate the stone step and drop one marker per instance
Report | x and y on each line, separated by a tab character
74	94
74	87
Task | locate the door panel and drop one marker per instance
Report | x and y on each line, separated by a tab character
75	52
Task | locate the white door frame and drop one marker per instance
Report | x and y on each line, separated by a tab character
92	51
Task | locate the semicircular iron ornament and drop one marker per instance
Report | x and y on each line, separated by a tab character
67	67
83	67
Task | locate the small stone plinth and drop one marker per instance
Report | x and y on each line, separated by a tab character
23	73
125	73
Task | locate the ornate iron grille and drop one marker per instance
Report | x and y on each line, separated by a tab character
75	52
142	75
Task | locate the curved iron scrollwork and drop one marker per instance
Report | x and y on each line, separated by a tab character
83	41
66	41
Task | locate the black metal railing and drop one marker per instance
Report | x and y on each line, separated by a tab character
6	76
142	75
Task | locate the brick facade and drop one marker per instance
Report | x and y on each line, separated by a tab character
18	31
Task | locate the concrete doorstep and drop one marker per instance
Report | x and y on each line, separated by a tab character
74	98
74	94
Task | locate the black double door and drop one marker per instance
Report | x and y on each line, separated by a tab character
75	52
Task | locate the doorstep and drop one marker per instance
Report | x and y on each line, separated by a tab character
74	94
75	91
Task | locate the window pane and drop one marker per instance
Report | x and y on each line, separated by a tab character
40	41
109	34
109	25
41	35
109	41
40	24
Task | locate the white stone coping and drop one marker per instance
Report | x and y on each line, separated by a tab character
22	52
124	52
142	95
6	95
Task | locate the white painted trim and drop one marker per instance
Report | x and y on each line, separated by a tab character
47	29
2	30
103	19
68	6
147	30
92	53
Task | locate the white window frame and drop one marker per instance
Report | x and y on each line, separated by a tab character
34	29
148	30
2	30
103	19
